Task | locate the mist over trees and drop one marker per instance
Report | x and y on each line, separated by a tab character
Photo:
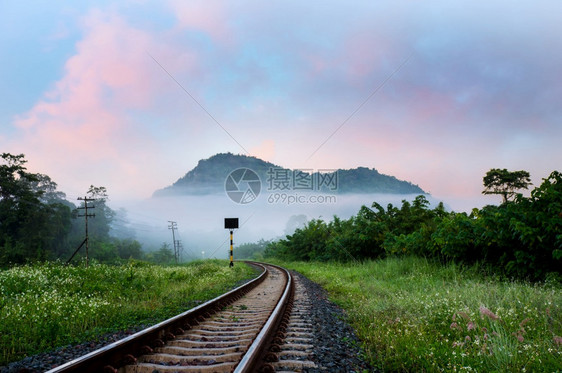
521	238
252	251
37	222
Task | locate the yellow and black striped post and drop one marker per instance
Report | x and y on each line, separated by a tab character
231	251
231	224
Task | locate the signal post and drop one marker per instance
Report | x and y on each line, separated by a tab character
231	224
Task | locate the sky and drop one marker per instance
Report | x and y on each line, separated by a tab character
131	94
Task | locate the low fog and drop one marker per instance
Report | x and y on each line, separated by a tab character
200	218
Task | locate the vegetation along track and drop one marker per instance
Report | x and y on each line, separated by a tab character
252	328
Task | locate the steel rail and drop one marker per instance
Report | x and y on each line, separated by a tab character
254	356
114	353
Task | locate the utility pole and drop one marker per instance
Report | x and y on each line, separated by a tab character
86	216
180	251
173	226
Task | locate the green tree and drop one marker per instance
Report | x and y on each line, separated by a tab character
128	248
164	255
536	226
33	223
251	250
505	183
47	189
101	224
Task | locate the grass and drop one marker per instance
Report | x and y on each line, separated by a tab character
416	316
49	305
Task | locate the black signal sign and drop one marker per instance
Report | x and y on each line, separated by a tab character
230	223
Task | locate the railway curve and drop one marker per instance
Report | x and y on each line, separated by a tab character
231	333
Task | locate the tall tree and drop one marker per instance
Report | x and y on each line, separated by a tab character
17	202
47	188
30	228
100	225
505	183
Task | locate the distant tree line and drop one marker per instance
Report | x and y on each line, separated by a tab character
252	251
37	223
520	238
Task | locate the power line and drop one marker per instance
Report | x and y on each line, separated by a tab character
189	252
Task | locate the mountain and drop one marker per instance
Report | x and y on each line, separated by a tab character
210	175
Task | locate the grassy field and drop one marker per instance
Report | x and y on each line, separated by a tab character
49	305
415	316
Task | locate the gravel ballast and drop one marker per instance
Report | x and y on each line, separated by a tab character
336	347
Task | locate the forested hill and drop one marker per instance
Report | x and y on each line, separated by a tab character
210	174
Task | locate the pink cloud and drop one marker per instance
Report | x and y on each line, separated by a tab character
265	150
441	122
366	52
205	16
86	116
362	54
425	138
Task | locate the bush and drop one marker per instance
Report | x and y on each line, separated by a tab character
518	239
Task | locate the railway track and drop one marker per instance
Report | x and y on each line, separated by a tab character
255	327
